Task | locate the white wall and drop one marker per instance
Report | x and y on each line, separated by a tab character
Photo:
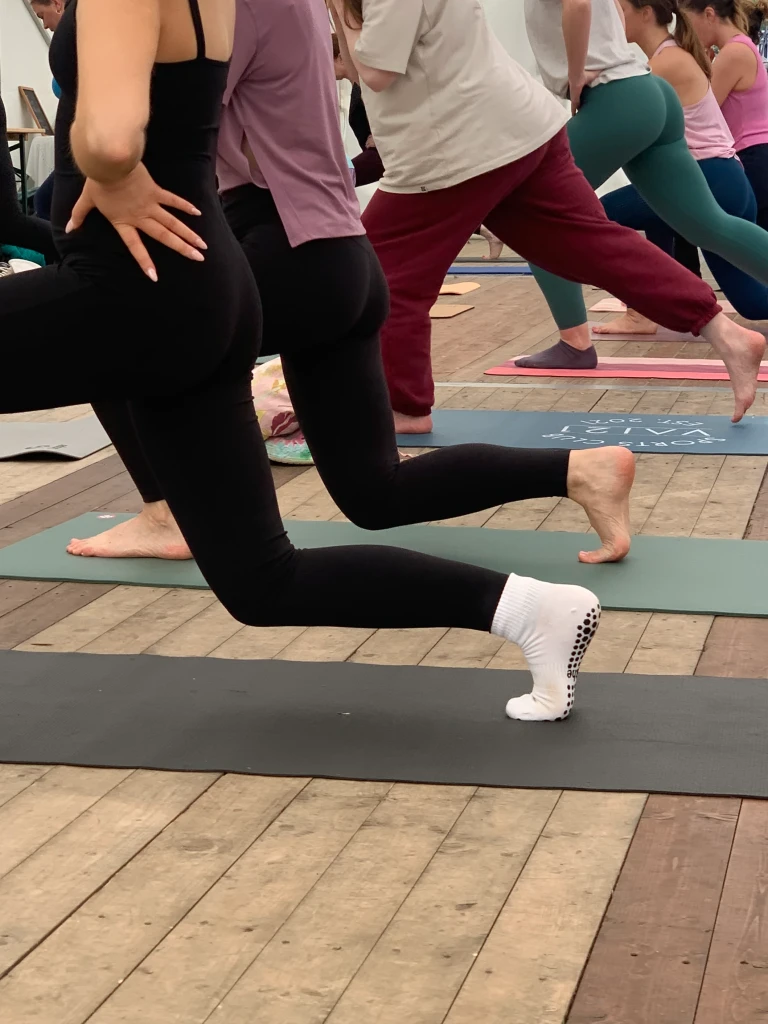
507	19
23	61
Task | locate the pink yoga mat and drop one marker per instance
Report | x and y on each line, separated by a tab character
661	369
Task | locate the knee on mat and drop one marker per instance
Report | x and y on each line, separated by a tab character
370	518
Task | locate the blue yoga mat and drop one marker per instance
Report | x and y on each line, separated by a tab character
692	435
491	268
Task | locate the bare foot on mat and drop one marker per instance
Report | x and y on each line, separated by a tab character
630	322
153	533
412	424
600	481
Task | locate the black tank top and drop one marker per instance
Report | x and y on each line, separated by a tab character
180	155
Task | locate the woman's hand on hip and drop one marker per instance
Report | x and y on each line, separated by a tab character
137	203
577	85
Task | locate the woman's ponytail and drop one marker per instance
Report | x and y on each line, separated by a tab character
686	39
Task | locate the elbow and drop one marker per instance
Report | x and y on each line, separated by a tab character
377	81
106	155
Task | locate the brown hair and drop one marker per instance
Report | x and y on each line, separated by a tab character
353	9
747	15
684	35
336	47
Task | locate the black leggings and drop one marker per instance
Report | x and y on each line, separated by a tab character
15	228
323	305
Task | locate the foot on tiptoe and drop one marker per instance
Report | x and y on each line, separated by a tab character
553	624
600	480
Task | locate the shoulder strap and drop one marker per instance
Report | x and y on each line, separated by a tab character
197	21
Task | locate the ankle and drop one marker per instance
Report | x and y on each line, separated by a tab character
577	337
578	472
157	513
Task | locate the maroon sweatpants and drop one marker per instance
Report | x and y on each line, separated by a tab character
542	207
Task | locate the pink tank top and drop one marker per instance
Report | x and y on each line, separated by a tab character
706	130
747	111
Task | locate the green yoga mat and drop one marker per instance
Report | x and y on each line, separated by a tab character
661	574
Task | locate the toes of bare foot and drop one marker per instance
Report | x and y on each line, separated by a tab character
607	553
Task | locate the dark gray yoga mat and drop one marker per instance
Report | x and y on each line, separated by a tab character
663	574
691	435
628	733
74	439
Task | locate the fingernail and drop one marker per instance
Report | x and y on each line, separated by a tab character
201	244
197	256
197	213
151	274
68	228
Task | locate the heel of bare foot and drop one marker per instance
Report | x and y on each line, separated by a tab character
601	481
412	424
153	533
630	322
742	351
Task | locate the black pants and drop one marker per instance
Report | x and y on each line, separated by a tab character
755	161
44	198
202	449
15	228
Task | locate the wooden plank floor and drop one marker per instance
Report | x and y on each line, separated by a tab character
140	896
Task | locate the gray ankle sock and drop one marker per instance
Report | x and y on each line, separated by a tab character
561	356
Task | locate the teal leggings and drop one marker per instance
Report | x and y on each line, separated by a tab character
637	124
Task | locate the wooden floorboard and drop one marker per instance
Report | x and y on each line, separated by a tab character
135	896
648	961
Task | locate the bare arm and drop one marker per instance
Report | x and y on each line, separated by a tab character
376	79
114	75
735	66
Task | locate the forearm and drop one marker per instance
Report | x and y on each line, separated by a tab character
577	20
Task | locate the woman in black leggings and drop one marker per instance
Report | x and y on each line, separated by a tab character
180	353
15	228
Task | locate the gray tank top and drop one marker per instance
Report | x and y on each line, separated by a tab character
609	52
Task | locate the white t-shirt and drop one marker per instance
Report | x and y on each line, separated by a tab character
460	106
608	50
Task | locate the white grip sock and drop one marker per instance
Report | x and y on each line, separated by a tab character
553	624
